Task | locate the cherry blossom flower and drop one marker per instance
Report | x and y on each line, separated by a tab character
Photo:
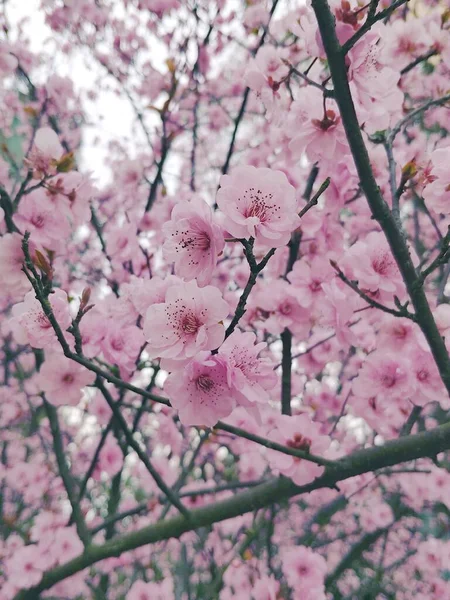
250	376
373	79
301	433
66	545
308	279
258	203
193	241
305	572
265	76
31	325
426	379
121	344
36	214
314	130
383	375
266	589
282	309
63	379
111	457
371	263
200	392
188	321
25	568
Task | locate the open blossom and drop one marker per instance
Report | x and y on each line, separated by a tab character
317	132
110	460
30	324
308	279
200	392
121	344
374	81
282	308
123	243
193	241
371	263
385	375
301	433
25	568
190	320
265	76
37	215
62	380
305	572
258	203
70	193
426	379
65	545
250	376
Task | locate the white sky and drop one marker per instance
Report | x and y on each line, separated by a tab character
111	115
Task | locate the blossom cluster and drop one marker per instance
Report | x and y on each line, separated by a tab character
203	342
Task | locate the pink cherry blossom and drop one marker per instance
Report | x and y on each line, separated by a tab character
23	569
111	457
200	392
190	320
193	241
32	325
303	434
384	375
308	279
151	591
62	380
250	376
121	344
305	571
371	263
317	132
265	76
66	545
266	589
258	203
36	215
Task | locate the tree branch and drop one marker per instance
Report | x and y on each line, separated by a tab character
403	449
380	210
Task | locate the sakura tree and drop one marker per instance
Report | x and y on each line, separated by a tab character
225	368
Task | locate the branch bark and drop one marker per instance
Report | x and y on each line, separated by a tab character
427	444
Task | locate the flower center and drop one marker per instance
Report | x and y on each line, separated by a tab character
43	322
68	378
388	380
422	375
202	241
204	383
117	344
38	221
190	324
285	308
330	120
381	264
299	442
315	286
